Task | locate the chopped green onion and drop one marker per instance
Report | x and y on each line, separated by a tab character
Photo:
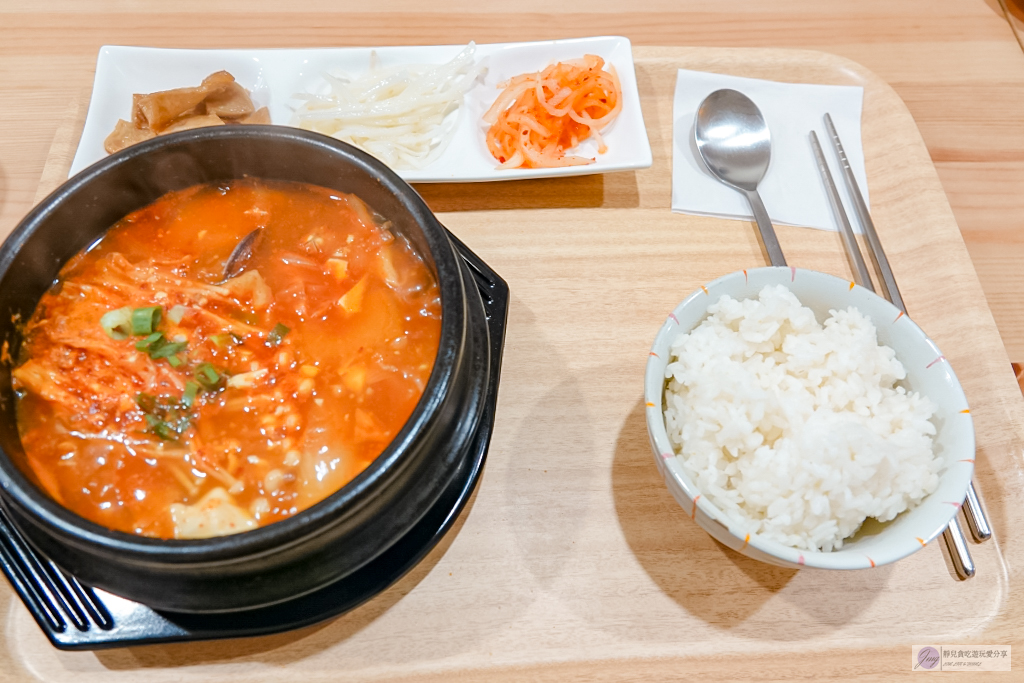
163	429
166	350
150	343
145	320
117	323
207	375
146	402
188	399
164	414
277	334
166	430
157	346
159	427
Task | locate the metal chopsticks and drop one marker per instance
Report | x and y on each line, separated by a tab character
889	289
860	270
956	543
974	513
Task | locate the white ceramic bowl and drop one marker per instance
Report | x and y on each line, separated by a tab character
928	372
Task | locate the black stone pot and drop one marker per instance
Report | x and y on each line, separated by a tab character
335	537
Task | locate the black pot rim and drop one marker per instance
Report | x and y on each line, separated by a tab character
78	531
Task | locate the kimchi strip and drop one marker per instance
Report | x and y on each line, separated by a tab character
539	117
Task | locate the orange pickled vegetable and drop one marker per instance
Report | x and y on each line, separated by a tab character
540	116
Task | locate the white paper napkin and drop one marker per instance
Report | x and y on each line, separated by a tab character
792	189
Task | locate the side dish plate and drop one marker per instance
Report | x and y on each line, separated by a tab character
275	76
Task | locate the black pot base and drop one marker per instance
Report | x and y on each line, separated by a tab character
76	617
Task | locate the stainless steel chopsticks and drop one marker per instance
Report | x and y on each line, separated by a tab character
889	289
860	270
974	513
963	564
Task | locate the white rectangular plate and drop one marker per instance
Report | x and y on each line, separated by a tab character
275	76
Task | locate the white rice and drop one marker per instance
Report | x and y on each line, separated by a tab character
797	431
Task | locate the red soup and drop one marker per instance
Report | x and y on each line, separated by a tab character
178	385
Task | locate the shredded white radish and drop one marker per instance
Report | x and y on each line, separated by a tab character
403	115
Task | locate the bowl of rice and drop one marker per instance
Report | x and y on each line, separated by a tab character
802	420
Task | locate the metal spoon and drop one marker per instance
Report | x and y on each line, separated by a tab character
735	144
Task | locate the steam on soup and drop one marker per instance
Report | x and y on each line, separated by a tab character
158	398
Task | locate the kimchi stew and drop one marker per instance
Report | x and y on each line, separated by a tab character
224	358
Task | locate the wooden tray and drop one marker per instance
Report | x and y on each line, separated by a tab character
573	562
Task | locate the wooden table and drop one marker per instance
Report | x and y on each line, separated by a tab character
955	63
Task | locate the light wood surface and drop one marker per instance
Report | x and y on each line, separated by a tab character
572	561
